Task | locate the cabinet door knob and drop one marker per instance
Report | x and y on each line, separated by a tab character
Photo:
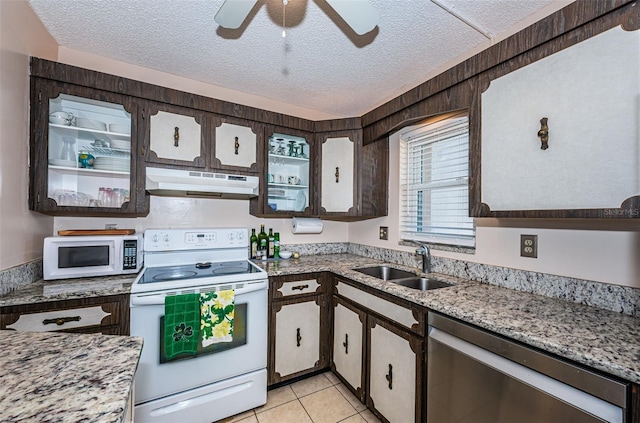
389	376
345	344
61	320
176	136
543	133
237	145
298	337
337	174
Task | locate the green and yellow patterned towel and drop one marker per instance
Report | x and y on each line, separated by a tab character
216	317
181	329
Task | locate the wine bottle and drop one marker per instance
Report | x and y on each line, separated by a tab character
254	244
270	241
276	245
262	242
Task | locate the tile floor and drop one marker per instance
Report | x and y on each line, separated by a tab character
319	399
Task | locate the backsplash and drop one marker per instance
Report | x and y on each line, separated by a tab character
616	298
621	299
19	276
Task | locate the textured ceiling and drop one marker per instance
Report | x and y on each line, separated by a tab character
321	64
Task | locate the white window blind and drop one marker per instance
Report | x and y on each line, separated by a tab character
434	183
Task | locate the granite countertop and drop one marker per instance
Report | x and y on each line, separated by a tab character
595	337
67	289
62	377
601	339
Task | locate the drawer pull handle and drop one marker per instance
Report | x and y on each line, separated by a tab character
299	287
237	145
298	337
337	174
61	320
345	344
389	377
176	136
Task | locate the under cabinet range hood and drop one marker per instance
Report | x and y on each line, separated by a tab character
189	183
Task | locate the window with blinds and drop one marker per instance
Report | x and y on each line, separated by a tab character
434	183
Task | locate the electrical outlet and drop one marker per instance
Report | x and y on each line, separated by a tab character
384	232
529	246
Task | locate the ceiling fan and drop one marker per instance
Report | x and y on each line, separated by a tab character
358	14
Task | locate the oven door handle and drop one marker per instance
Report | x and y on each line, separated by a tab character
158	299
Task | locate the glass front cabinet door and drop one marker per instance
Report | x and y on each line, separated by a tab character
81	152
288	174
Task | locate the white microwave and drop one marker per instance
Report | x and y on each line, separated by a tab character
86	256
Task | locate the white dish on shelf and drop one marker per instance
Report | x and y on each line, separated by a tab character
119	128
64	163
120	144
61	118
90	124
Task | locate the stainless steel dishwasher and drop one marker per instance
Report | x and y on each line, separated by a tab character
476	377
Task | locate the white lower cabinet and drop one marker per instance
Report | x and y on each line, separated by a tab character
379	358
348	346
393	376
297	337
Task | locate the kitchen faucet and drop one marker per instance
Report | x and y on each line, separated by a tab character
424	251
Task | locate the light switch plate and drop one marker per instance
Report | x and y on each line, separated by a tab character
529	246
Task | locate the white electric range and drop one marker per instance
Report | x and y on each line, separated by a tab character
222	379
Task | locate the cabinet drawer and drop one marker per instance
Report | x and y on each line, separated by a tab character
397	313
291	286
298	287
64	319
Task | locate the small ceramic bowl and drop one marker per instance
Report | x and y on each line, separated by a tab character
285	254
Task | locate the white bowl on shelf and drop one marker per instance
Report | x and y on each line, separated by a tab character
61	118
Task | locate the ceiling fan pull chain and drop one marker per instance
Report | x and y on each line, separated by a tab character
284	15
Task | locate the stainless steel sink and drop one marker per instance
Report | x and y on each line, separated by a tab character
385	273
423	284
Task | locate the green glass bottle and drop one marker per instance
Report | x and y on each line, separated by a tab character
270	243
254	244
262	242
276	245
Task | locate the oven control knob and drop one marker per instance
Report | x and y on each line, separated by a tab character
240	235
156	238
231	235
166	238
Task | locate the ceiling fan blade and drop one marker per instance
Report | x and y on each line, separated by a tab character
233	12
358	14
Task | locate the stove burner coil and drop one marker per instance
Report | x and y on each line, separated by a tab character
178	274
205	265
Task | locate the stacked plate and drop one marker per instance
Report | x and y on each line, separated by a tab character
116	164
91	124
119	128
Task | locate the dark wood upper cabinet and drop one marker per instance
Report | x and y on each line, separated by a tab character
175	136
83	152
353	178
287	182
555	133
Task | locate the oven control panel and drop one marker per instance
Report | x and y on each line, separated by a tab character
192	239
